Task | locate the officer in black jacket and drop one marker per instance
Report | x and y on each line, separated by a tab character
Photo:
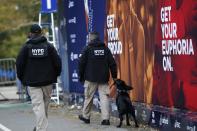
95	65
38	66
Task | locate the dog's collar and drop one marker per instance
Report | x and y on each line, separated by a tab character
124	91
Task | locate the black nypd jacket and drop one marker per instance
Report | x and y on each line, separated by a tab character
96	63
38	63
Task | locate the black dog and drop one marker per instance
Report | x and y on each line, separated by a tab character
123	102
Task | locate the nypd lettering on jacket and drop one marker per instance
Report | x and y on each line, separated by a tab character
99	52
37	52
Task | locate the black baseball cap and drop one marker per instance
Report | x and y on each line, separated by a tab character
35	28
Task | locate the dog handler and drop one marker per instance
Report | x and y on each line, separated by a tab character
94	65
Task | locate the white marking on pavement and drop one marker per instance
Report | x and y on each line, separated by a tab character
4	128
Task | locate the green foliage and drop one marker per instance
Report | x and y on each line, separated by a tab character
15	13
12	43
15	18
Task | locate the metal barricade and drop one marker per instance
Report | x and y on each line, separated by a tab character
7	71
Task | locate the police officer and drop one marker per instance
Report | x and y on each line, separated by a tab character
38	66
95	65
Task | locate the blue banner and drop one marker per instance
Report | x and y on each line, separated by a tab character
96	16
48	6
76	40
82	16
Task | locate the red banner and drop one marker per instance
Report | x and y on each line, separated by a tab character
154	44
175	70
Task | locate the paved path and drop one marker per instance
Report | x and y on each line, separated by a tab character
19	117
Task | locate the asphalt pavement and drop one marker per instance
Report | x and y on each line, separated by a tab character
17	116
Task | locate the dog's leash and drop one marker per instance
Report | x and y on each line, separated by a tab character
112	85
